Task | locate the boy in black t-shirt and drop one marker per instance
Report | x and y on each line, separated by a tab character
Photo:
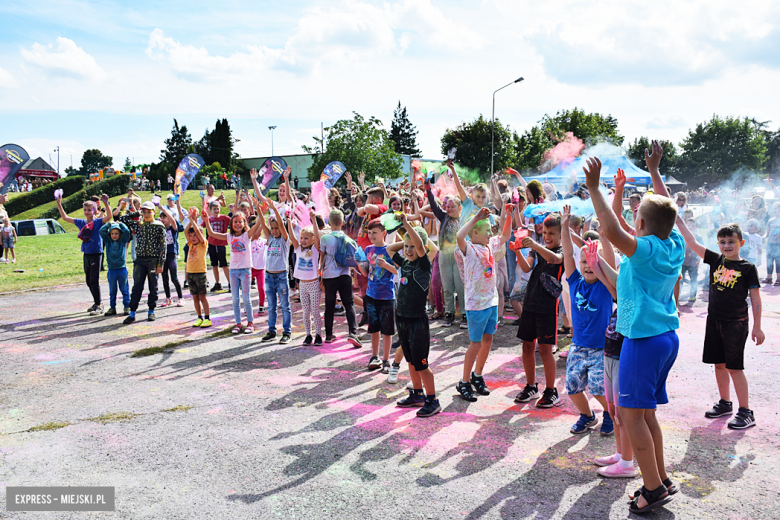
411	319
539	320
731	279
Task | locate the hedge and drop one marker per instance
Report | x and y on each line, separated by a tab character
116	185
69	185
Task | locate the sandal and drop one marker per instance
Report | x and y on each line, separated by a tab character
671	487
236	329
656	498
564	329
437	316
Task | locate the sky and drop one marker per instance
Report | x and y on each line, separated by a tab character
114	75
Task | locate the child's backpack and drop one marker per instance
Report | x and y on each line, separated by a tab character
345	251
86	232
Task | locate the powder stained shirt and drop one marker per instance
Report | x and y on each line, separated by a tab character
730	283
380	280
151	241
479	280
277	255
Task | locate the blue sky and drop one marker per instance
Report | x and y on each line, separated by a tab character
113	76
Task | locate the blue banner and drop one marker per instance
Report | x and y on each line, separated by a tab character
270	172
186	172
12	157
332	173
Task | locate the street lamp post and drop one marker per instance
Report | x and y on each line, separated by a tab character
493	122
271	128
58	161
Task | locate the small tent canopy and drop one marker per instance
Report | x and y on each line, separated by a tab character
565	170
674	183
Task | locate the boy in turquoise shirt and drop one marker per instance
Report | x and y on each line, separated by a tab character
116	237
647	317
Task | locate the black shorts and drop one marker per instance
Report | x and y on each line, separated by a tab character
540	327
197	283
724	342
218	256
381	315
415	337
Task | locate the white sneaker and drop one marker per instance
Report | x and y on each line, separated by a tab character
98	310
392	376
180	302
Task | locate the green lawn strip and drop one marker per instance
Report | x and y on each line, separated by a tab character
179	408
168	347
49	426
113	417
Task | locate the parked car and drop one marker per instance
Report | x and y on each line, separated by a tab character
38	226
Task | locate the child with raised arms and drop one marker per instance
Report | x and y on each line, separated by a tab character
277	288
116	237
196	269
307	265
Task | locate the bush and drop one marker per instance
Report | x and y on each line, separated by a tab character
69	185
116	185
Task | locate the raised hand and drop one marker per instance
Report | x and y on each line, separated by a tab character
483	213
592	173
620	181
348	176
653	160
253	173
286	174
312	216
592	253
362	177
104	198
565	216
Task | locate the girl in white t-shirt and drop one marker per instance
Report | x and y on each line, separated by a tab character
258	267
307	265
239	237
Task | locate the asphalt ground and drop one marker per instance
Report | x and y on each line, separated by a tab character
223	426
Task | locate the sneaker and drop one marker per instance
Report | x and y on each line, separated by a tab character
549	398
385	366
411	401
330	338
720	409
410	386
479	384
500	322
228	288
615	471
767	280
431	407
206	323
692	299
166	303
449	319
583	424
374	363
466	391
355	340
307	340
151	317
528	393
198	322
260	311
607	426
254	282
97	311
392	375
129	320
250	328
340	311
186	285
217	287
607	461
269	336
564	354
743	420
317	340
285	338
127	311
180	302
110	312
363	319
463	323
92	309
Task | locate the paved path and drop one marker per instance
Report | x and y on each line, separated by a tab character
279	431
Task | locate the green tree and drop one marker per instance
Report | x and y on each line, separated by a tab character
176	146
94	160
361	144
222	144
718	148
772	151
530	148
636	152
203	147
70	170
473	143
128	165
403	133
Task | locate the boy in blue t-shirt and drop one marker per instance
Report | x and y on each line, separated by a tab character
647	317
380	295
591	307
91	246
116	237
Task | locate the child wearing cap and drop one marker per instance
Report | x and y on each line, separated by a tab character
149	261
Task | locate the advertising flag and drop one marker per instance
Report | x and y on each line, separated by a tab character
186	172
12	157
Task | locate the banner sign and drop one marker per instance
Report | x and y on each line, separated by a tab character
12	157
332	173
270	172
186	172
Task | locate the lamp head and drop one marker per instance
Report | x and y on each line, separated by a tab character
518	80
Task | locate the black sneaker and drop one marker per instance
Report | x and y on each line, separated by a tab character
228	287
431	407
363	319
449	319
92	309
549	398
374	363
411	401
720	409
129	320
110	312
463	322
479	384
330	338
528	393
217	287
285	338
743	420
254	282
269	336
317	340
385	366
355	340
186	284
339	311
466	391
307	341
151	317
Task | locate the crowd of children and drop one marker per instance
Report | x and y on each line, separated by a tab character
617	285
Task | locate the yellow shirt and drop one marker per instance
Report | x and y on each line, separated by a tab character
196	258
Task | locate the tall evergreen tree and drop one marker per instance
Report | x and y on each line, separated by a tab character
203	147
403	133
222	144
176	146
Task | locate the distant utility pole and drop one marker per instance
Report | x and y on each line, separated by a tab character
272	128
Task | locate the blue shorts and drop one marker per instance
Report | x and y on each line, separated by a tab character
585	369
644	365
482	322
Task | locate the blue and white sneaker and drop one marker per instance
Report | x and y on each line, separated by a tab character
607	426
583	424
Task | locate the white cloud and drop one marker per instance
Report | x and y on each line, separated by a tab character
68	60
7	79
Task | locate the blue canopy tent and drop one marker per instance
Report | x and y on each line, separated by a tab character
562	174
